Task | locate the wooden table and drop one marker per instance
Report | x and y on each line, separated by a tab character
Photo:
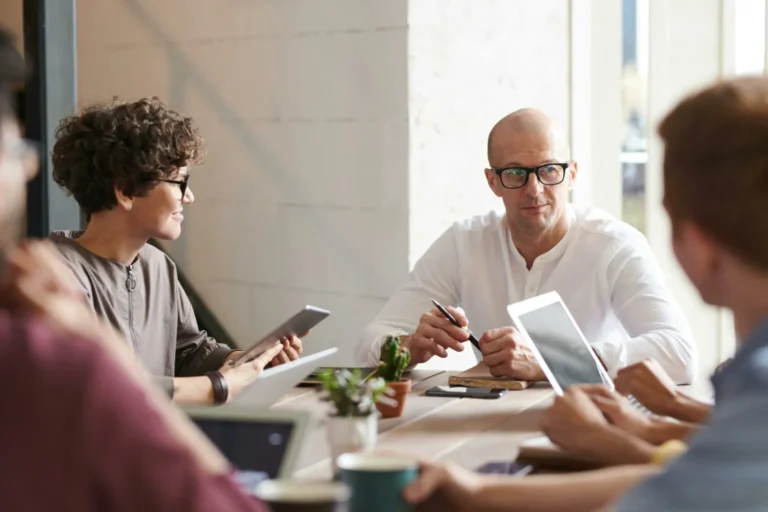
469	432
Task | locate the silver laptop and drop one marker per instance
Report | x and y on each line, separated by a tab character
276	382
562	351
260	444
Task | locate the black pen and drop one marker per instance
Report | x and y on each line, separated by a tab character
453	320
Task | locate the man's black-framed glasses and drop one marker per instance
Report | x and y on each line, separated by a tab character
547	174
182	183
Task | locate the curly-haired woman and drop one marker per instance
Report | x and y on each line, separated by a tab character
127	165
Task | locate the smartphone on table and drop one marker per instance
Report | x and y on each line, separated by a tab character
462	392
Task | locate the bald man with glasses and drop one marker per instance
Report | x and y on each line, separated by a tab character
603	269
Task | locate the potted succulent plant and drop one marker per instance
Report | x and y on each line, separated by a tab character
352	426
394	361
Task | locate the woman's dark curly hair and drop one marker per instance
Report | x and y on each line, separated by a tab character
125	145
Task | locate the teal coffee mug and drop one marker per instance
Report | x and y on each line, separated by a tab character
377	481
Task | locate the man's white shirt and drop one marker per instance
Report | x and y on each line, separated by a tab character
603	269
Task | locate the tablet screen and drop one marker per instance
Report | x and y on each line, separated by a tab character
561	346
256	448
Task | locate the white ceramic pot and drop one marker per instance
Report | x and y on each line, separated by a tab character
350	434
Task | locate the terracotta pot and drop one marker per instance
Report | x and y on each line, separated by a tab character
400	390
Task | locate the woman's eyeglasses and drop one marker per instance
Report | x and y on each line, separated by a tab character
182	183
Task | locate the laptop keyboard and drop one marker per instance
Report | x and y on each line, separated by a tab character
248	481
637	405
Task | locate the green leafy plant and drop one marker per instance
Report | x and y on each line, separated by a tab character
394	360
351	393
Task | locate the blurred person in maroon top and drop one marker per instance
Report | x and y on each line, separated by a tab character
83	427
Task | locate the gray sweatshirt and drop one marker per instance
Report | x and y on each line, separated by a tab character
146	303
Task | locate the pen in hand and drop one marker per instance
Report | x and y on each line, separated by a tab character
455	322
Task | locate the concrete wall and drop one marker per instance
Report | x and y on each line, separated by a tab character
469	64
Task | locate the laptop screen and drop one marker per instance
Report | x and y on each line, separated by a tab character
561	346
256	448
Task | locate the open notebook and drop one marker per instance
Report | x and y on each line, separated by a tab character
479	376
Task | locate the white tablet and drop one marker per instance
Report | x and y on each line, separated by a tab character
565	356
275	382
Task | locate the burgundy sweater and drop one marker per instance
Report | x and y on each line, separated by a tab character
77	434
